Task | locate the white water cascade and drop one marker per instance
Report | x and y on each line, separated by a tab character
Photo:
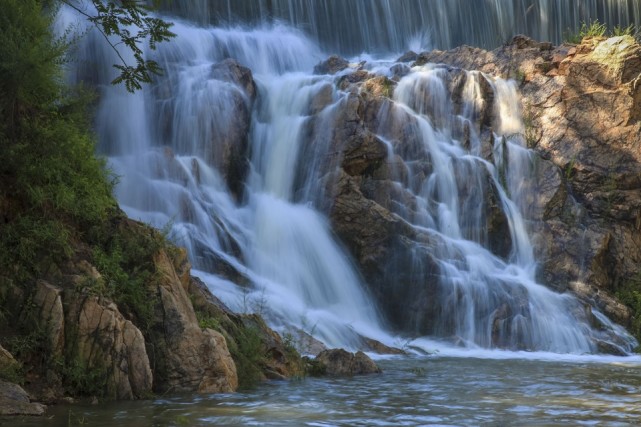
256	232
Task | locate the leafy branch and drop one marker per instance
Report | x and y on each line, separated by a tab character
130	22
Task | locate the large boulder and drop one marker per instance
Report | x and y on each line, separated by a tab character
187	357
339	362
103	342
229	149
15	401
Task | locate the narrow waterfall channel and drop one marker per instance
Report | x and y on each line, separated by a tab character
252	211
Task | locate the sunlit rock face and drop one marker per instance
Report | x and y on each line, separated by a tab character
368	197
580	105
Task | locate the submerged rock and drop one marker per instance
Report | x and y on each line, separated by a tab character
339	362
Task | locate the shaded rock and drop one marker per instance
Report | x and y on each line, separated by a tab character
408	56
231	122
51	314
101	340
187	357
338	362
331	65
276	360
230	70
15	401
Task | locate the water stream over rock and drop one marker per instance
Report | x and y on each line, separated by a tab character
371	201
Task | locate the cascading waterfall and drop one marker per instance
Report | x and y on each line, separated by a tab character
383	26
258	237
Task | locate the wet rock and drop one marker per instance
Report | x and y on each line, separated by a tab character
375	346
338	362
379	86
580	108
332	65
229	147
408	56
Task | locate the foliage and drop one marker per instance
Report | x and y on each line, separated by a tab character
54	188
619	31
248	353
124	254
12	372
130	22
598	29
83	380
630	295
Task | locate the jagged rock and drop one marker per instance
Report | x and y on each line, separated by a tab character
187	357
228	150
15	401
582	117
103	341
277	361
332	65
338	362
51	314
408	56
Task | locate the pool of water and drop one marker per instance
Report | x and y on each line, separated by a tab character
434	390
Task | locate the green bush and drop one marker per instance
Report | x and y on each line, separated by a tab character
598	29
54	188
630	295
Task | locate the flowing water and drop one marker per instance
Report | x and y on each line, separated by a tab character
374	26
437	391
261	240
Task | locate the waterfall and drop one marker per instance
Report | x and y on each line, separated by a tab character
384	26
238	171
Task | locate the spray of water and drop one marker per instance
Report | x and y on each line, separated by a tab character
169	143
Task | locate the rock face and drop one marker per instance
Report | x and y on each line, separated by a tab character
188	358
230	130
582	207
339	362
581	110
102	340
15	401
222	102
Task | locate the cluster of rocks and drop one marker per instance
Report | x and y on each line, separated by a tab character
581	109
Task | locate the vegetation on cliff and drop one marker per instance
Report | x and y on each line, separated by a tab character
91	303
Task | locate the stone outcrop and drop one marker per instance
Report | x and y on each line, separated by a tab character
230	132
103	341
581	118
188	358
15	401
269	358
581	111
339	362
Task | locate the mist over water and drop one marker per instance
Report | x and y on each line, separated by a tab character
168	143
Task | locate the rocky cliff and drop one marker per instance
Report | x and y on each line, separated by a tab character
580	109
72	337
581	112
